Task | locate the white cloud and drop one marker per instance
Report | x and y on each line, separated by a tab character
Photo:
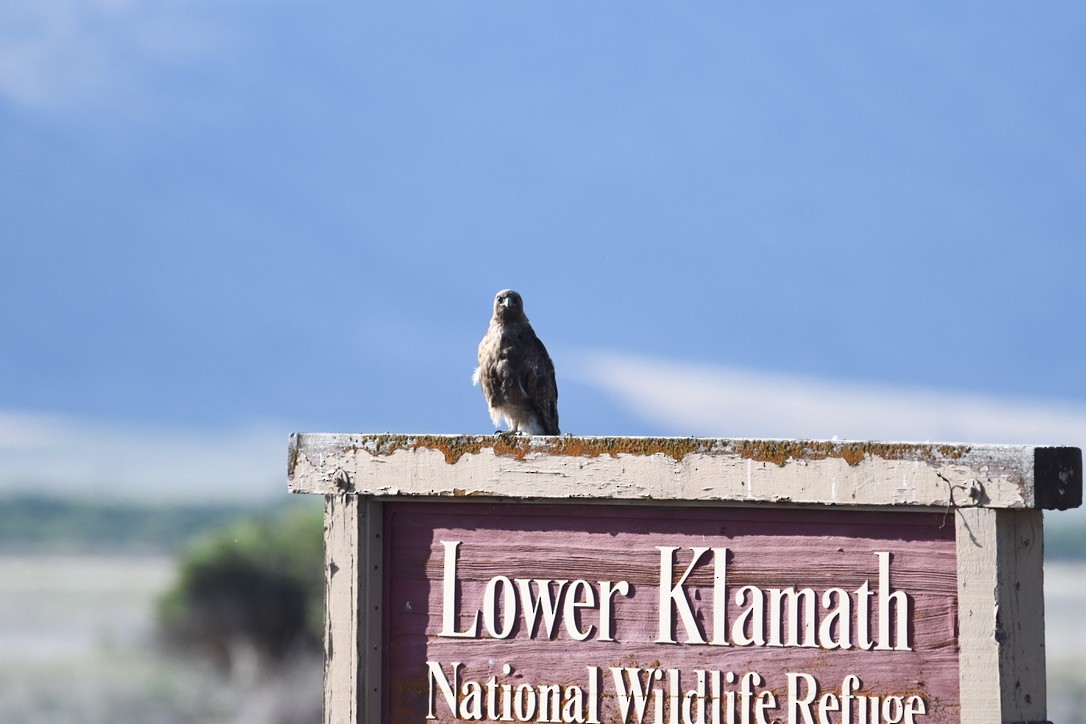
705	400
64	454
44	454
59	52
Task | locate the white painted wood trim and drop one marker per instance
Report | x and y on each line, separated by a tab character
1001	616
1020	614
341	636
687	469
354	555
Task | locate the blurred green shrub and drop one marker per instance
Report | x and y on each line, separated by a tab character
256	585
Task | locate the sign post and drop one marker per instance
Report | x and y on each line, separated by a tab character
682	580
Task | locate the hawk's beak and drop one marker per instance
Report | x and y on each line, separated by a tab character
507	302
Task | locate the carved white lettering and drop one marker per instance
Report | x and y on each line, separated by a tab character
524	703
863	616
795	700
746	616
490	607
434	675
776	614
901	610
752	617
838	618
720	597
574	602
537	601
608	591
853	707
632	691
471	700
673	597
448	596
533	604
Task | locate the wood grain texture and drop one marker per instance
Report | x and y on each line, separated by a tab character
354	566
687	469
342	665
768	548
1001	593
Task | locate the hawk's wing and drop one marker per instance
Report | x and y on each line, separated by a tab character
514	368
487	373
540	385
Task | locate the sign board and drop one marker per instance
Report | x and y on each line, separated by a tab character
681	581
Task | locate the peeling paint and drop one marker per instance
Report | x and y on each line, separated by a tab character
684	468
778	452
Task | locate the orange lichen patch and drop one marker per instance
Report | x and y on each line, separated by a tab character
954	452
778	452
676	448
781	451
453	447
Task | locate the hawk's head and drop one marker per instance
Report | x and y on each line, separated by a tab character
508	306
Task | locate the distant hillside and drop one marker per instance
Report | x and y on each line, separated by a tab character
1065	541
30	524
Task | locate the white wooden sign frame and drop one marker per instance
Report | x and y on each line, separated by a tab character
995	494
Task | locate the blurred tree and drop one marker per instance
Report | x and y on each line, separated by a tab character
253	587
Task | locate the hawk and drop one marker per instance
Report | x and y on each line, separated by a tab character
516	372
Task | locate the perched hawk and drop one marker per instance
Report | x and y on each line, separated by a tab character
516	372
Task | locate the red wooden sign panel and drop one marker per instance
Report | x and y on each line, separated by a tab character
677	615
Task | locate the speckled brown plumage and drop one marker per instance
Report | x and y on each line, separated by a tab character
515	371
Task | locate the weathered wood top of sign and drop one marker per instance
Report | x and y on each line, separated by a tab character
688	469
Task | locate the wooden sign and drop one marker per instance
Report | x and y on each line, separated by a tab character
683	581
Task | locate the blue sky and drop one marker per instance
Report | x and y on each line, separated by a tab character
225	221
